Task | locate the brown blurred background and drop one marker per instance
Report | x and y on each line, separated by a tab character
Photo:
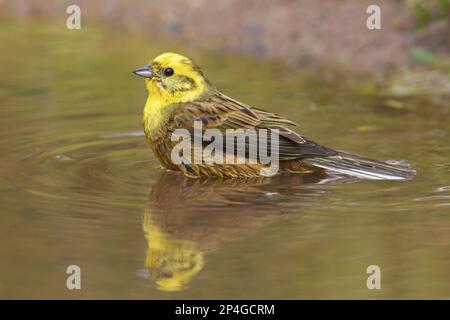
300	32
80	186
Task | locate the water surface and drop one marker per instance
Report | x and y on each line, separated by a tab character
80	186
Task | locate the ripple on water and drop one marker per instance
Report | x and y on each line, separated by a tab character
109	169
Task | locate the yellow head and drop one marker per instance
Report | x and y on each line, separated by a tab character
173	78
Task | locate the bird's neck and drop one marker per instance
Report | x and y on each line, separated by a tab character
157	106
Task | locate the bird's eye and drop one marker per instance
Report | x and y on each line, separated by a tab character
168	72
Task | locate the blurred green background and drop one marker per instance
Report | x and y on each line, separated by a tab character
80	186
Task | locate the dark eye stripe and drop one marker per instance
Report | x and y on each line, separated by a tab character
184	83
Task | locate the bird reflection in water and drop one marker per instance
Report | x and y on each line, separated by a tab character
185	219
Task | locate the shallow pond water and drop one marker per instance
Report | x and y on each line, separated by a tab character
80	186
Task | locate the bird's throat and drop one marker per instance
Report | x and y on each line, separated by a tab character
154	115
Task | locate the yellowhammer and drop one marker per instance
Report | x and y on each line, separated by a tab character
181	96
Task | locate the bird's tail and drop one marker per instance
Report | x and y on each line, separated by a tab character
364	168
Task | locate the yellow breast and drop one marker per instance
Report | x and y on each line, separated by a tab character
155	115
157	108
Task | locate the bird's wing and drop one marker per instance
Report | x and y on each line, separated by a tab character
221	112
266	119
216	112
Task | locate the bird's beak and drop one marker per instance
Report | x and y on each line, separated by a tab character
144	72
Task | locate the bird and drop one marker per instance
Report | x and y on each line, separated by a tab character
180	96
